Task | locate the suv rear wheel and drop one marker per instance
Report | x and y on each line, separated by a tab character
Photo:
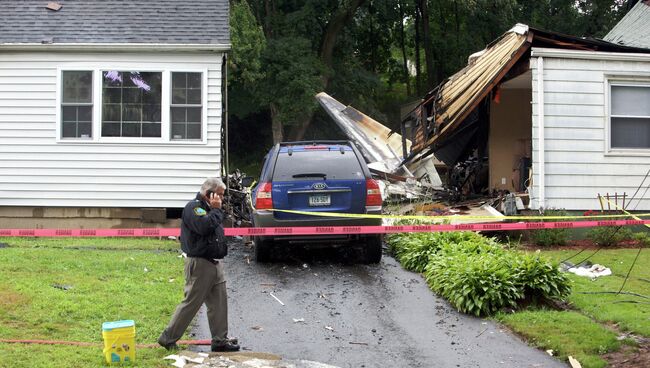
372	251
262	249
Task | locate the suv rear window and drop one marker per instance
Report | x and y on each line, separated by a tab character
332	163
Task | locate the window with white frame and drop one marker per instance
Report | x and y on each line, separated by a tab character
629	116
186	106
167	105
131	104
76	104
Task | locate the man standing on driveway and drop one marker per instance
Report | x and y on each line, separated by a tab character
204	244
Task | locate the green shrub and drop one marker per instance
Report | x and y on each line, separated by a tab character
606	236
476	274
412	250
642	238
548	237
539	279
477	284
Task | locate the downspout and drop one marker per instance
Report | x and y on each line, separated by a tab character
225	116
540	131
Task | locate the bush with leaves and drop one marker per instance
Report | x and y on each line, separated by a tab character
548	237
606	236
477	284
476	274
642	238
539	279
413	250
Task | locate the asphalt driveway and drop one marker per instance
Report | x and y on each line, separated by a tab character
353	315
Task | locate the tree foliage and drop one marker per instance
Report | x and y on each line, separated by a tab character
374	54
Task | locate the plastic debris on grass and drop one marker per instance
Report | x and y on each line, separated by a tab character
587	269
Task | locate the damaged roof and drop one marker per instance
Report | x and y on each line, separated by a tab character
202	22
634	28
447	106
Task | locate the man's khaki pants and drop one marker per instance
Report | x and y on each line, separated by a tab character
204	283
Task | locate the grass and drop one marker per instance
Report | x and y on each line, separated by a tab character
107	280
566	333
607	308
141	281
591	330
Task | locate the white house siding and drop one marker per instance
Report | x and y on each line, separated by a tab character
38	170
578	165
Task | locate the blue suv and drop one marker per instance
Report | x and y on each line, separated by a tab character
316	176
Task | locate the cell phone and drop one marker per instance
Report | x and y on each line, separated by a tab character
208	194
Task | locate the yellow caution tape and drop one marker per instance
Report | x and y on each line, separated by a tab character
449	217
636	217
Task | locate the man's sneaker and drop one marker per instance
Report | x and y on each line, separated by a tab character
223	346
168	346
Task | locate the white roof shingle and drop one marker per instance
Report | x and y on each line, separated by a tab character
634	29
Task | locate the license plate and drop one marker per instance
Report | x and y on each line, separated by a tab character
319	200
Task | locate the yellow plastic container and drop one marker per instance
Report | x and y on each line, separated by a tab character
119	341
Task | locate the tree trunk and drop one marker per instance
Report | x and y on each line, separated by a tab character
268	6
428	45
276	125
334	27
418	81
440	73
298	131
373	44
407	76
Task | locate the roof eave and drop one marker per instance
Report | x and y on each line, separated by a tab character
114	47
588	55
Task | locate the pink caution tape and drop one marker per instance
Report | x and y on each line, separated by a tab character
151	232
320	230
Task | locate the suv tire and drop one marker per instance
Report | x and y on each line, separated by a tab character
373	249
262	249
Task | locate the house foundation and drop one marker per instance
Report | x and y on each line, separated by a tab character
84	218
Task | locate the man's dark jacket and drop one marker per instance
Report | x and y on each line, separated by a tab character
202	231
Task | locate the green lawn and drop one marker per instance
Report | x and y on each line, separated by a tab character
106	280
141	279
589	331
612	308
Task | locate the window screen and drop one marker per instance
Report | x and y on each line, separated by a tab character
630	116
76	104
131	104
186	106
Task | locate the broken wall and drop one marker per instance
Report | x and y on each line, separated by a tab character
509	138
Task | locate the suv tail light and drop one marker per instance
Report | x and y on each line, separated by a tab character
263	199
373	194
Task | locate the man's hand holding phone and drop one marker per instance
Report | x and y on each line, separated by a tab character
215	199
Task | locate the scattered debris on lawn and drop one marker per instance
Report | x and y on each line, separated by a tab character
574	362
586	269
62	287
238	360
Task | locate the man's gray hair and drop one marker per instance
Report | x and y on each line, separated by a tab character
212	184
